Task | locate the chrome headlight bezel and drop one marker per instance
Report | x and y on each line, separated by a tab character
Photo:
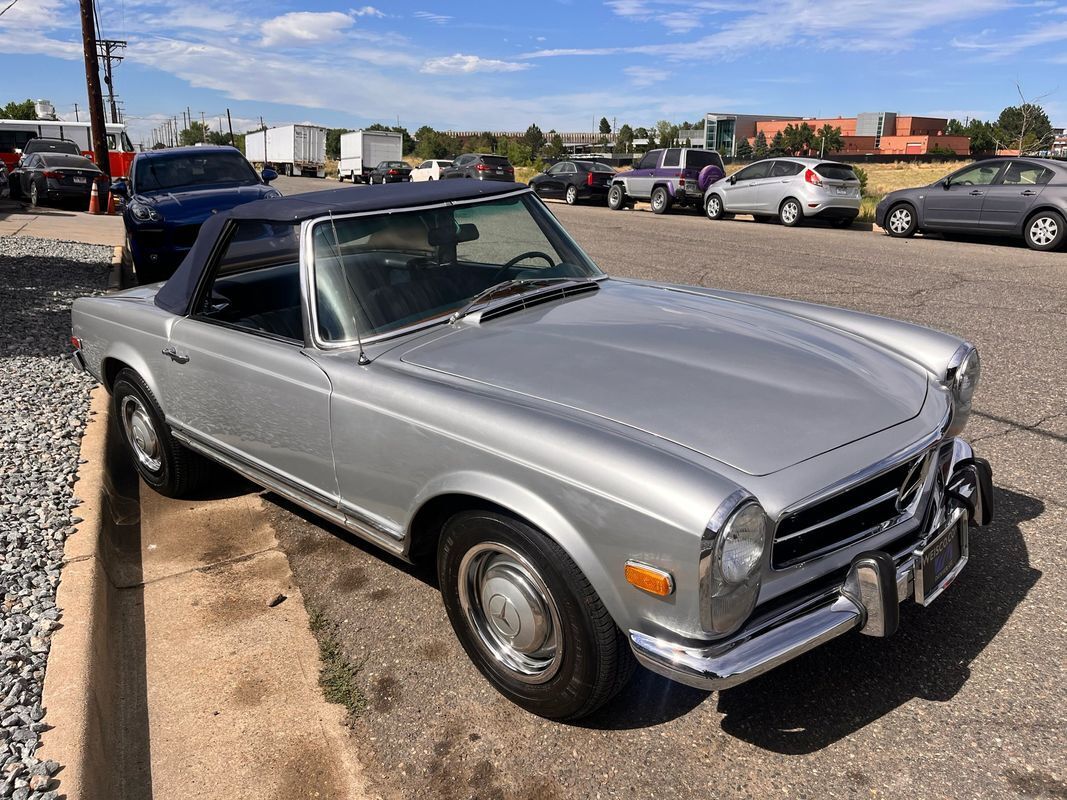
728	597
142	212
961	379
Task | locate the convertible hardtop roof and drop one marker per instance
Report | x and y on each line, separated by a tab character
351	200
176	295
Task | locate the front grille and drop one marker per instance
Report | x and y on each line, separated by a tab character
858	511
184	235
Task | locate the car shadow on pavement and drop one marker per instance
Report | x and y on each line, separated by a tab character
837	689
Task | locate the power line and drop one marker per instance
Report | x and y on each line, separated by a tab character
8	7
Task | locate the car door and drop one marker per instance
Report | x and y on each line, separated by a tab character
779	184
956	202
549	184
739	195
639	180
1009	200
28	172
237	378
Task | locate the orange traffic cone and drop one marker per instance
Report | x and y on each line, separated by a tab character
111	203
94	199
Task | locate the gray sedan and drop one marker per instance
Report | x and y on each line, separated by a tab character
790	189
1016	196
603	471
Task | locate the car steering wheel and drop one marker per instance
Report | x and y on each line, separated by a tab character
512	263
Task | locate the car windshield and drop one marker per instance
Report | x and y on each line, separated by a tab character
65	160
379	273
176	172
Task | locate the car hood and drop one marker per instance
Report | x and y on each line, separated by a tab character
201	202
757	389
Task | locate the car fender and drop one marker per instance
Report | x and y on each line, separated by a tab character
1044	205
537	511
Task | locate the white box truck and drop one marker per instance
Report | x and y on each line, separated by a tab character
290	149
362	151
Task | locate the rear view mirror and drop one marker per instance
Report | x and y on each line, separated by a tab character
947	182
120	189
733	179
466	232
268	175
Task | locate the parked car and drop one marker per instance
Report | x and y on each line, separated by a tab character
574	180
390	172
45	144
56	177
481	167
430	170
601	468
790	189
169	194
1014	196
664	178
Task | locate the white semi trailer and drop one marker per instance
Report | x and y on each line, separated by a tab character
290	149
362	151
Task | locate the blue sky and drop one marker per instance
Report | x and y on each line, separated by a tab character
560	63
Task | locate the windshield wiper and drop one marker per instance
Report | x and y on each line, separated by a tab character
484	296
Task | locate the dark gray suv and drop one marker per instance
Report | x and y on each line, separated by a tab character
480	166
1012	196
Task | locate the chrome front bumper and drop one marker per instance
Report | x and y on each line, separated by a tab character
720	666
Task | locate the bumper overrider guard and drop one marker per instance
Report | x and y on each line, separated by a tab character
868	599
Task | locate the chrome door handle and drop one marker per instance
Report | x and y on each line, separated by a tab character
977	193
174	355
1029	193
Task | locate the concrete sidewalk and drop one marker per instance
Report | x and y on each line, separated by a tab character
17	219
185	667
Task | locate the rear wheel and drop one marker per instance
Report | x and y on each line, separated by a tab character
572	195
660	200
616	197
900	222
162	462
36	195
713	207
790	213
528	618
1045	230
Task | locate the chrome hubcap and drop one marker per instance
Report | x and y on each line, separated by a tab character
572	194
1043	231
511	611
789	213
713	207
141	433
657	201
900	220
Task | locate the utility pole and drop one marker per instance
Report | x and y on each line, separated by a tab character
107	49
92	85
229	122
76	117
203	129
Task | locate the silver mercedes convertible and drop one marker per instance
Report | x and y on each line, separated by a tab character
605	471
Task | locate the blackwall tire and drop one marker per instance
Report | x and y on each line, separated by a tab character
528	618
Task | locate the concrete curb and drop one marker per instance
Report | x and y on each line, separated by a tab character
77	688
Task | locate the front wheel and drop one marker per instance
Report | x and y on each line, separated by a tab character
528	618
660	200
162	462
36	195
616	197
713	207
900	221
1044	231
572	195
789	213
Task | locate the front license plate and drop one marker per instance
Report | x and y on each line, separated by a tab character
78	179
937	562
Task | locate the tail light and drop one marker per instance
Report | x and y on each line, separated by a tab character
813	178
509	170
589	179
394	172
483	167
51	174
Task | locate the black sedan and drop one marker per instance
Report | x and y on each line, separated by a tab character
55	177
573	181
390	172
1014	196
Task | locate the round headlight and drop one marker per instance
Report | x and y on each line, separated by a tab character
142	212
965	381
741	544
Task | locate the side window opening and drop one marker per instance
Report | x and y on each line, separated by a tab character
673	157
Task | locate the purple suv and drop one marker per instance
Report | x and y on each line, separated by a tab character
674	175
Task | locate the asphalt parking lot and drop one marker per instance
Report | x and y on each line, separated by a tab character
966	700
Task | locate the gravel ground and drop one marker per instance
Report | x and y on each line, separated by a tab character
43	407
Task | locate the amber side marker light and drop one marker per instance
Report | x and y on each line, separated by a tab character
649	579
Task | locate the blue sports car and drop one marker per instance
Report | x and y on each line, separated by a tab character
169	194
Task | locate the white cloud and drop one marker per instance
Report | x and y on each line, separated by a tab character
429	16
465	64
367	11
305	28
644	76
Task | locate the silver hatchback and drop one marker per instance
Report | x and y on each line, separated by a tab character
791	189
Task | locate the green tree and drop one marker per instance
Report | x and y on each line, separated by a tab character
760	150
955	128
333	142
982	137
218	137
777	144
744	149
159	146
534	140
194	134
556	150
624	141
605	126
829	139
1025	127
433	144
23	110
